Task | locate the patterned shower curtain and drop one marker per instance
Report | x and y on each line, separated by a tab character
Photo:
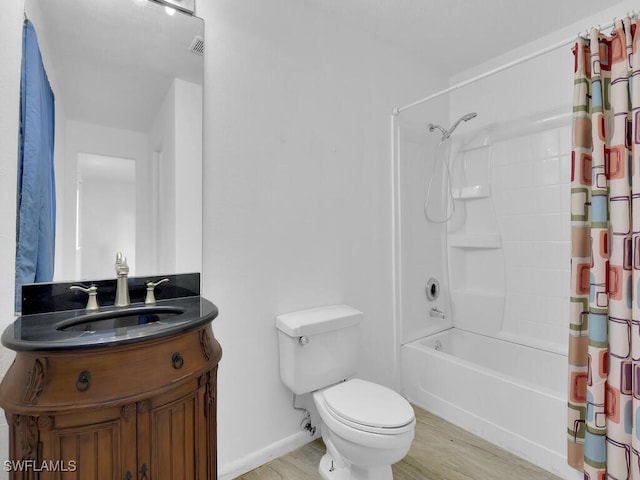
604	341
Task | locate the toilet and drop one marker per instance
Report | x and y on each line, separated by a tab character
366	427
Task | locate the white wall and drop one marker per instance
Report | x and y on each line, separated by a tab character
297	199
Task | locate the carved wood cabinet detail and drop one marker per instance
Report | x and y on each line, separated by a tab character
120	412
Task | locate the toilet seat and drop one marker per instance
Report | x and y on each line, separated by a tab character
369	407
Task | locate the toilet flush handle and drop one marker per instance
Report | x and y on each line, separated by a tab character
303	340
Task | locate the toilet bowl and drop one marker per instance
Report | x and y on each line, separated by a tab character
366	428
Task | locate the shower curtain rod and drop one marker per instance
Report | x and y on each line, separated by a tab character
499	69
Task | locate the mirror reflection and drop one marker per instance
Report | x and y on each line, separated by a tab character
128	134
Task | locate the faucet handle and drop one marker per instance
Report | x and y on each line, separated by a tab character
92	302
151	298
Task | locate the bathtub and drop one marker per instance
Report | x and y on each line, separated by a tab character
511	395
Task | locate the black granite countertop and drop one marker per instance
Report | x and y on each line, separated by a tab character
108	326
55	296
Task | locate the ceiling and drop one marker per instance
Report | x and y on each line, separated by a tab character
115	60
439	30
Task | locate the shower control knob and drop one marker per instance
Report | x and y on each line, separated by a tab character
432	291
303	340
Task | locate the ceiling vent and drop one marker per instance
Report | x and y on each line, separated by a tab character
197	46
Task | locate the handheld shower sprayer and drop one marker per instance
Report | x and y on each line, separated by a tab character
450	206
447	133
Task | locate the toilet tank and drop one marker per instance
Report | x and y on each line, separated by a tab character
318	347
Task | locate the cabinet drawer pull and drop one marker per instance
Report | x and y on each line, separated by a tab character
128	476
177	360
143	472
84	381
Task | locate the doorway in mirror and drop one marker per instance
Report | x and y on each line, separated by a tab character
106	214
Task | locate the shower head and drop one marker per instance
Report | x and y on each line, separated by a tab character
464	118
447	133
468	116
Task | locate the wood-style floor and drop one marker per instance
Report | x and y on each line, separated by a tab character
440	451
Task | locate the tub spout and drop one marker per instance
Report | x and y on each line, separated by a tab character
436	313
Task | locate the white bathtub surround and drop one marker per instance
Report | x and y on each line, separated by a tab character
501	261
511	395
505	250
507	241
505	270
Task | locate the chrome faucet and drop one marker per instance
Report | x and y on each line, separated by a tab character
122	284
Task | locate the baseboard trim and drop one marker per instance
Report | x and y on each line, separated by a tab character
234	469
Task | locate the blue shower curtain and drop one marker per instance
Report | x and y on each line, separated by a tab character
36	201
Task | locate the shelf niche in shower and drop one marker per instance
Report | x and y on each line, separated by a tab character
473	192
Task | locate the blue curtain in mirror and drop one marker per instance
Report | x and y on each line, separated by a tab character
36	204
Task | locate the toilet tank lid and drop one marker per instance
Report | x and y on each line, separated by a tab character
318	320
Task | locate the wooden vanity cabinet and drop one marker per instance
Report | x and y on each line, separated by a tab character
143	411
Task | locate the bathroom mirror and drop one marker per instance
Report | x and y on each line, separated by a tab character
127	76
